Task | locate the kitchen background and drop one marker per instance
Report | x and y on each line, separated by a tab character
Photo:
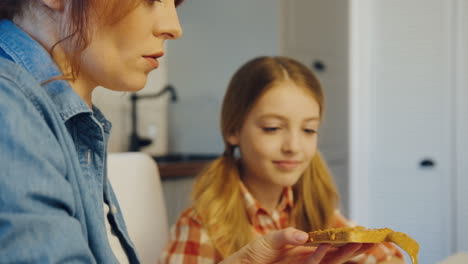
395	79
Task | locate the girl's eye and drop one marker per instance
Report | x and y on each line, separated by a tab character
270	129
310	131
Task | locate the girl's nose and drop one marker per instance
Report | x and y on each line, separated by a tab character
291	143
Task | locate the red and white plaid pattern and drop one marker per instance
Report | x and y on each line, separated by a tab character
189	242
261	220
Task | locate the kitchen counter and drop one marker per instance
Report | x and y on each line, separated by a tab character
182	165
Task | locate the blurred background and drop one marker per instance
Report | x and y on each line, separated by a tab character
395	76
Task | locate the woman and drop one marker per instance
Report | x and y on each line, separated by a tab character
56	204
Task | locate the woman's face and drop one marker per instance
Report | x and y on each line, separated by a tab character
121	55
279	137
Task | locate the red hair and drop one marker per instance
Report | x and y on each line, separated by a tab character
75	32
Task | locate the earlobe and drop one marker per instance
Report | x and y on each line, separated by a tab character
233	139
56	5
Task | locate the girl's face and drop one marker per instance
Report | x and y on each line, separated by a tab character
121	55
279	137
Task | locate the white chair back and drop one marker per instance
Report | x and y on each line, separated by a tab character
135	179
460	258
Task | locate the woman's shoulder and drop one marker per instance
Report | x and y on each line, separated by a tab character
12	73
28	117
19	87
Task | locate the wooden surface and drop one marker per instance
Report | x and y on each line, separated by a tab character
181	168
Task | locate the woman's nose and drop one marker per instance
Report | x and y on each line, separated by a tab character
169	25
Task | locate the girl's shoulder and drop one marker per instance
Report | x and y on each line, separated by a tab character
189	217
339	220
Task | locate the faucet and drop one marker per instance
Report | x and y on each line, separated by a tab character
137	142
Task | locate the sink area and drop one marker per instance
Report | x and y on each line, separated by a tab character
185	157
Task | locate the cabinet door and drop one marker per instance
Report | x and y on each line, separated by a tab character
316	26
412	129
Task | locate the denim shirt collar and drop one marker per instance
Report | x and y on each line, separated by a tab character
27	52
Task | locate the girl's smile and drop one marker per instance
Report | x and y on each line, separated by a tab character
287	165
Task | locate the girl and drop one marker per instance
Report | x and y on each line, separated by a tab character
271	114
54	192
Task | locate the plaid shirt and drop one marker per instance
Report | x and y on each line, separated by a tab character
189	242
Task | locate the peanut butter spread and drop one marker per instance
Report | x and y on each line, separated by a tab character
361	234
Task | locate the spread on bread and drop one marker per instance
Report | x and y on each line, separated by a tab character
359	234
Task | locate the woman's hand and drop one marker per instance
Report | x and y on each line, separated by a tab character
393	260
287	246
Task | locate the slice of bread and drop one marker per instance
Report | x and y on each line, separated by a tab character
359	234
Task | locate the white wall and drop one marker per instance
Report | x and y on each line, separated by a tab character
317	30
218	37
359	114
461	121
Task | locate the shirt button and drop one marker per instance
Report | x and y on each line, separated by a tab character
114	209
275	215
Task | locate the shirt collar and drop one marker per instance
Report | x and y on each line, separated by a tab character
28	53
106	125
254	207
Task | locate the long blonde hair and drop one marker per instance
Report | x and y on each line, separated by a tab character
217	197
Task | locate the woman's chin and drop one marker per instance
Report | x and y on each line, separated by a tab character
132	86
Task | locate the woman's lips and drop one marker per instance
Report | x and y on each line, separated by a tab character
287	164
152	61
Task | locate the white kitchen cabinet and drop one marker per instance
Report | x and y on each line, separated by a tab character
395	80
412	91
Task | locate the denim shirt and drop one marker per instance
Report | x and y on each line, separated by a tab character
53	175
